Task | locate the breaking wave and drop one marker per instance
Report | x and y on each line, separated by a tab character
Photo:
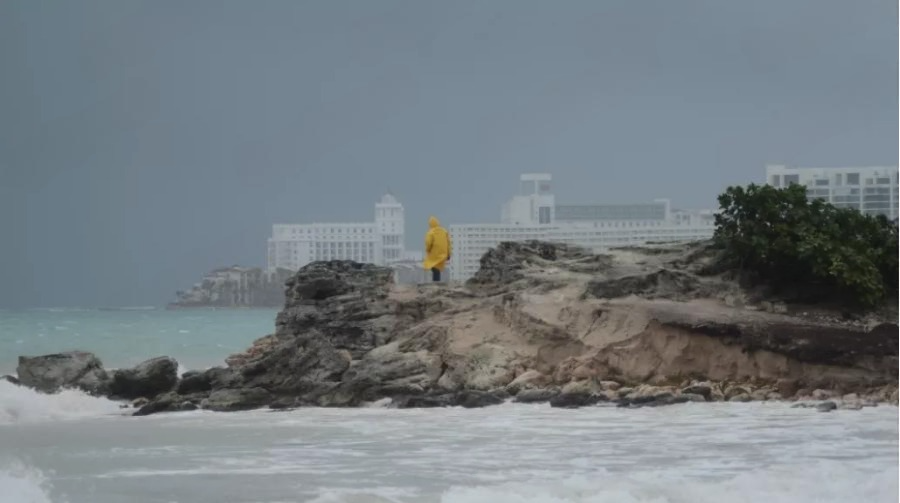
23	405
23	484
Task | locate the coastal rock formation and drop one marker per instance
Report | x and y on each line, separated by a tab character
543	322
73	369
235	287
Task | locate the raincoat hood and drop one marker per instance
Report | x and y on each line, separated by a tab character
433	222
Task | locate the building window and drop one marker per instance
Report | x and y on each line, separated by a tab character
821	181
852	178
791	179
776	180
837	179
883	181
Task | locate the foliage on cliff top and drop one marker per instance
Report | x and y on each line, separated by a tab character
784	240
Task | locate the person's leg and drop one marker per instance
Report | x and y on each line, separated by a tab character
435	274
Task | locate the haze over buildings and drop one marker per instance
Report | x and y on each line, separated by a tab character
143	143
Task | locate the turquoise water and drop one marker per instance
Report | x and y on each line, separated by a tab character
196	338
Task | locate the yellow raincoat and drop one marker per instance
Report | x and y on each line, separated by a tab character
437	246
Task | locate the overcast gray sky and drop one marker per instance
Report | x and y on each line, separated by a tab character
144	143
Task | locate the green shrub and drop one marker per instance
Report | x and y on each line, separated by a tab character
782	239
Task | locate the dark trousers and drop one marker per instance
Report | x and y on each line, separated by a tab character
435	274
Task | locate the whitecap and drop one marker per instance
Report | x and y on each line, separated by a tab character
23	484
19	404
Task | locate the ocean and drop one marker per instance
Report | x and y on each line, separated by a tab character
72	448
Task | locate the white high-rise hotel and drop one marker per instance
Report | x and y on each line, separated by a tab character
534	214
871	190
380	242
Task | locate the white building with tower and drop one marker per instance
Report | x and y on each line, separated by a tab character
381	241
872	190
535	214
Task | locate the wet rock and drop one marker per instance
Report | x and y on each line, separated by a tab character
139	402
742	397
203	381
574	400
655	399
10	379
826	406
760	395
186	405
537	395
471	399
702	389
167	402
237	399
147	379
693	397
774	396
736	390
72	369
416	402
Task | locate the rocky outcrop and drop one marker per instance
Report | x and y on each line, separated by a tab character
84	371
148	379
73	369
542	322
235	286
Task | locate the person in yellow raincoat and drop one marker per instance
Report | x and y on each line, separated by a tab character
437	248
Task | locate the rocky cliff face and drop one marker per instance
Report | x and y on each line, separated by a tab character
236	287
547	322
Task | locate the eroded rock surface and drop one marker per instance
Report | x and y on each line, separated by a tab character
544	322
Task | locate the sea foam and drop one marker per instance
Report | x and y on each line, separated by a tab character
19	404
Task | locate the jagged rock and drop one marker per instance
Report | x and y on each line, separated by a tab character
349	336
237	399
826	406
11	379
203	381
73	369
410	402
702	389
147	379
740	397
536	395
475	398
528	380
578	394
693	397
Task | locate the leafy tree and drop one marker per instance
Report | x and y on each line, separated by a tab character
782	239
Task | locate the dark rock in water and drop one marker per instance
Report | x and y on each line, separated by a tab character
237	399
656	400
196	381
147	379
694	397
538	395
703	390
73	369
415	402
187	406
826	406
471	399
11	379
163	403
574	400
